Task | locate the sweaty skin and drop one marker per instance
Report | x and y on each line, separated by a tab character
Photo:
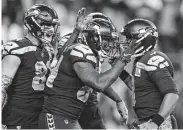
97	81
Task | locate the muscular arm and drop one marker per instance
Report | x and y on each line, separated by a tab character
73	37
97	81
112	94
10	65
168	104
167	87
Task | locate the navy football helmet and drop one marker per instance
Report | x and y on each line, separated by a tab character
42	22
100	34
143	32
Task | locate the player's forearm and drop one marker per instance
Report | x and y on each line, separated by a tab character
104	80
6	82
168	104
112	94
73	36
92	78
3	98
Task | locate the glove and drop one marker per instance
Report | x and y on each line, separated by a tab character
81	20
129	51
126	54
134	125
148	125
123	111
112	61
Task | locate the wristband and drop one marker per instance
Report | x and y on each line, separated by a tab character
158	119
124	74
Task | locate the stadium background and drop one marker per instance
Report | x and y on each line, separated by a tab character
166	14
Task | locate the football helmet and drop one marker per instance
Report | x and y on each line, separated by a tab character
100	34
142	32
42	22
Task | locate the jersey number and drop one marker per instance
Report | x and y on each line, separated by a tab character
83	93
39	79
53	73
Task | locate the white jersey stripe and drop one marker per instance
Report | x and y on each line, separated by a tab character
24	50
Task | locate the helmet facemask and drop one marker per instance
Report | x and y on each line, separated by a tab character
101	38
48	32
109	45
145	37
42	22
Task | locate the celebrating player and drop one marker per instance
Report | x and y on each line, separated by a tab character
75	76
24	68
155	91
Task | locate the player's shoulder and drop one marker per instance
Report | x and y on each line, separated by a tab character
82	51
154	60
18	46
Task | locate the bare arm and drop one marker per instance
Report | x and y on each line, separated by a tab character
112	94
10	64
73	37
168	104
166	85
97	81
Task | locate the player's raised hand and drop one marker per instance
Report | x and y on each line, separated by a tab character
112	61
81	20
123	111
129	51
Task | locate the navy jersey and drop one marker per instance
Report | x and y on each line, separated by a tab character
25	95
153	78
67	94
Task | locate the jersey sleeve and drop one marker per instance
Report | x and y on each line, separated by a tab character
18	48
11	48
82	53
160	71
163	80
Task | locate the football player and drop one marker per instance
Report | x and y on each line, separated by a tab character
75	76
155	90
91	117
24	68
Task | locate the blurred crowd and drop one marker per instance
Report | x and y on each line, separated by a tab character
166	14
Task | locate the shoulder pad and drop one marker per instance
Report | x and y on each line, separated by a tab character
16	47
8	46
83	51
154	60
